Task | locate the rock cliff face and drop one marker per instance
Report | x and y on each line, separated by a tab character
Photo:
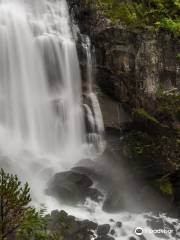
138	70
132	65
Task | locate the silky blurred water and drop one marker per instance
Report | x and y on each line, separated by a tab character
41	115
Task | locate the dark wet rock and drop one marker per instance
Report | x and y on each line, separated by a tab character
111	220
111	111
113	202
105	238
175	179
55	214
142	237
88	168
161	224
131	65
94	194
69	228
72	187
132	238
119	224
103	229
89	224
112	232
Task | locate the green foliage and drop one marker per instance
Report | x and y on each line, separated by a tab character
144	13
165	186
178	56
17	219
14	200
34	226
171	25
168	110
155	139
141	144
160	90
141	114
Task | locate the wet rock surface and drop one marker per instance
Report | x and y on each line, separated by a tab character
105	238
72	187
103	229
158	224
132	238
71	228
133	68
131	64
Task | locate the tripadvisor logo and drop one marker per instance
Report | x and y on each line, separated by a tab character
139	231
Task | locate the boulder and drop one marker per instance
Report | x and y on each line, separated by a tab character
112	232
103	229
132	238
119	224
68	227
105	238
72	187
113	202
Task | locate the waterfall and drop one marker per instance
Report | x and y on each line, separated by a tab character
47	124
29	66
42	127
91	102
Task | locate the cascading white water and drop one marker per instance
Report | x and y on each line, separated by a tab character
26	100
91	105
41	123
41	120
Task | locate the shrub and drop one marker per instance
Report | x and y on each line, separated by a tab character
14	200
144	13
18	220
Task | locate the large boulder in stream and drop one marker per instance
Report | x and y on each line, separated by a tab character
72	187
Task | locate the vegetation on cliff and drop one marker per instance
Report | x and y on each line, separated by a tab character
153	14
155	140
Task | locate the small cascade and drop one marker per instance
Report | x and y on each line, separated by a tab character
95	124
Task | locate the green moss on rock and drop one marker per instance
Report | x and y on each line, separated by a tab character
164	186
167	108
154	142
144	116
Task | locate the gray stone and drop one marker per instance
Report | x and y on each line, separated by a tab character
103	229
72	187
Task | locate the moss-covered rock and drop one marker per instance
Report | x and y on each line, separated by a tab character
145	121
167	109
154	143
165	186
145	116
